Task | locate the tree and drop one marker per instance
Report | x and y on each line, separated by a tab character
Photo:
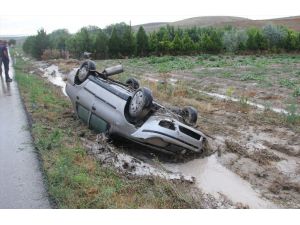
58	39
84	40
164	45
298	41
234	40
40	44
28	44
187	43
205	43
210	40
73	47
153	42
12	42
177	44
256	39
101	45
142	44
291	40
114	44
193	33
216	37
171	32
120	28
275	36
162	33
128	42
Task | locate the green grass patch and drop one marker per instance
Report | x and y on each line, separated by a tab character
296	92
254	77
287	83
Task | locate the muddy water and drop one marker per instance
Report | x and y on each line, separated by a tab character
215	179
55	77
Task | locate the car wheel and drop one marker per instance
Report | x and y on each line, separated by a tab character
140	104
84	71
133	83
190	115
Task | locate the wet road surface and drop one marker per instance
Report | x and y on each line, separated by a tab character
21	181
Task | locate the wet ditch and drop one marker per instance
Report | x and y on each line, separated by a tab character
215	174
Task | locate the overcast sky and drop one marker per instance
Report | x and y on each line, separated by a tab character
19	17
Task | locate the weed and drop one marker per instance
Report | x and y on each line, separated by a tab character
292	117
244	103
287	83
227	74
255	77
267	106
296	92
212	59
230	91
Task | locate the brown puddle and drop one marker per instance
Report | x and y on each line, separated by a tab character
215	179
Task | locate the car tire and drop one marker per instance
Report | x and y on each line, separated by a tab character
190	115
133	83
140	104
84	71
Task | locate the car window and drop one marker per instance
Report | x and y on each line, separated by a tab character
83	113
98	124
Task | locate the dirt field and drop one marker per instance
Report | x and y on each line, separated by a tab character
248	105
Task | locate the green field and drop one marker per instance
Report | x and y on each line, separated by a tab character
272	80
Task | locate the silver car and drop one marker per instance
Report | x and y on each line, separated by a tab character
126	110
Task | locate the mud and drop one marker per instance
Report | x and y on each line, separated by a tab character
214	178
172	80
258	162
107	154
148	164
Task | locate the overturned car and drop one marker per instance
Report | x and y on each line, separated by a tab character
126	110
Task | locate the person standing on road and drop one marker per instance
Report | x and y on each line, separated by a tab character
1	46
4	58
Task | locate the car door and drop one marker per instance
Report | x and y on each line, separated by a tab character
84	103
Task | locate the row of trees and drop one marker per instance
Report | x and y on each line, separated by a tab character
119	40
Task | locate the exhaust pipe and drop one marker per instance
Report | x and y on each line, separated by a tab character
113	70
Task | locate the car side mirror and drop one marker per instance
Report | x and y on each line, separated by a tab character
113	70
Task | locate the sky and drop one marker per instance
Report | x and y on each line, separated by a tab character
25	17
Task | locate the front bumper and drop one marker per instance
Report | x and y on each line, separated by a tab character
173	138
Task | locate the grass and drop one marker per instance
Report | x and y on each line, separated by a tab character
287	83
75	179
292	117
267	70
255	77
296	92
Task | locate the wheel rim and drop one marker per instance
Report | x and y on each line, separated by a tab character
82	73
137	103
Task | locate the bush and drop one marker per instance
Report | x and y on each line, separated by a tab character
211	41
256	40
51	54
275	36
235	40
36	45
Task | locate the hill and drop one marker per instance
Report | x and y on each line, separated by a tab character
19	39
221	21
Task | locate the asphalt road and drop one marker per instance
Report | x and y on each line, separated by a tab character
21	181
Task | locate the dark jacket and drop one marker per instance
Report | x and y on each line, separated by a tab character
4	53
